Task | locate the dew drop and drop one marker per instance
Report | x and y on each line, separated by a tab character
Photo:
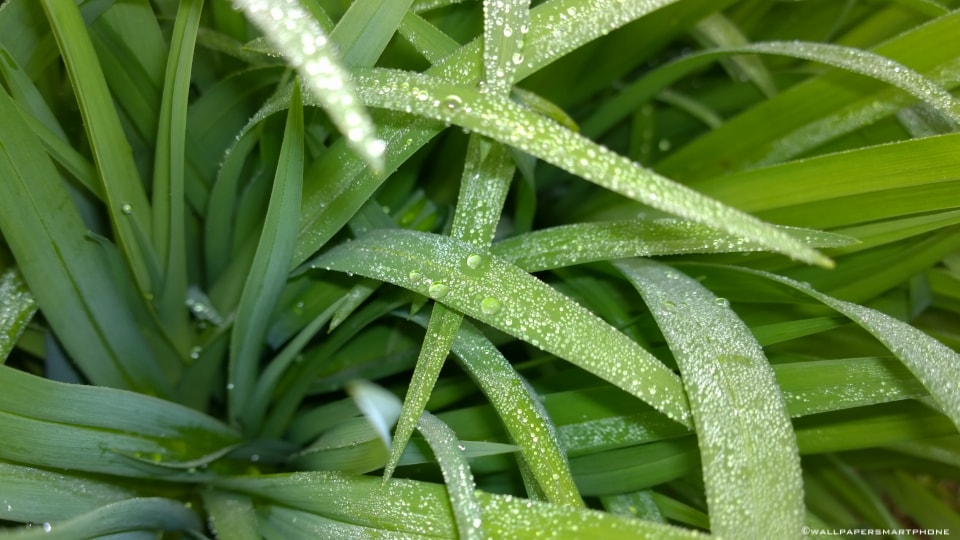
126	209
195	352
452	102
230	386
474	261
722	302
507	31
490	306
47	527
664	145
438	290
415	276
517	58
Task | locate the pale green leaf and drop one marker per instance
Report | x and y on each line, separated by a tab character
456	474
503	296
294	31
751	465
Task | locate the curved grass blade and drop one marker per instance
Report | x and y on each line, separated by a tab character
17	307
36	495
848	58
486	180
522	414
935	365
268	274
106	409
718	30
456	474
567	245
507	298
139	514
509	123
124	194
553	33
820	109
365	501
291	28
65	271
366	28
281	523
751	465
168	174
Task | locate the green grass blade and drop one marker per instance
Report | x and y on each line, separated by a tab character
107	409
522	414
429	40
456	474
847	58
366	28
751	465
441	331
69	278
718	30
580	243
512	124
17	307
36	495
505	23
169	175
362	500
920	162
820	109
268	274
936	366
140	514
231	515
284	23
553	33
505	297
125	196
281	523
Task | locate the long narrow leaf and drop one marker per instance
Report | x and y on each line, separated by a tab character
290	26
456	474
751	465
268	273
580	243
509	123
503	296
934	364
366	28
64	269
125	196
141	514
169	172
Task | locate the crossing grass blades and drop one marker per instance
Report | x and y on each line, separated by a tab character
479	269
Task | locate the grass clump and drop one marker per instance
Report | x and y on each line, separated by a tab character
697	266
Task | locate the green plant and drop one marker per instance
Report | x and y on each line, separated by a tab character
238	286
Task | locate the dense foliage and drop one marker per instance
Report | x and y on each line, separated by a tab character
695	265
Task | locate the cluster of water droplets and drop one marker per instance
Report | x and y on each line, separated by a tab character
290	27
